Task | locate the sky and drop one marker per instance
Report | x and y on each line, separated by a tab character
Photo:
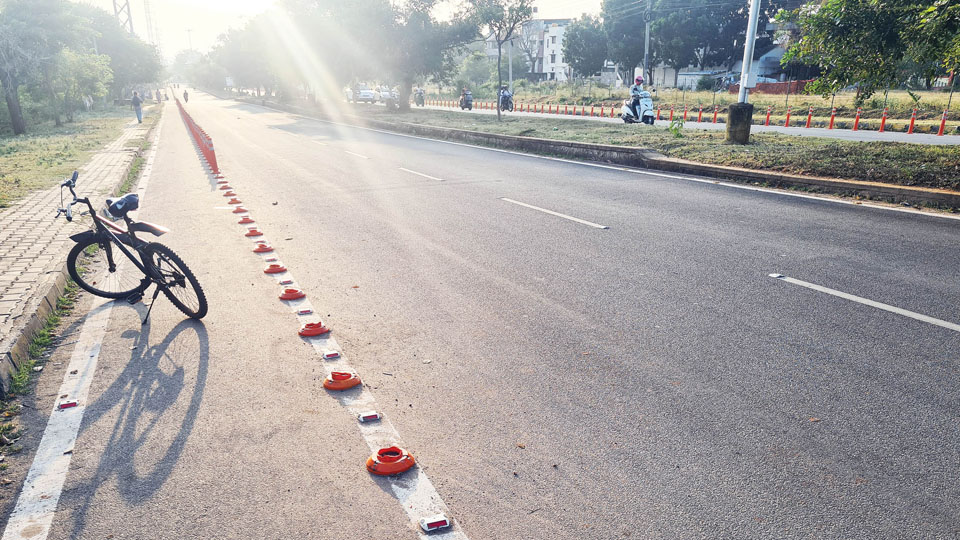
183	23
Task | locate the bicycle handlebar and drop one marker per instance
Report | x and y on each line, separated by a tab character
70	184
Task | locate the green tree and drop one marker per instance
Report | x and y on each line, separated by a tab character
624	26
502	19
79	76
585	46
867	42
32	33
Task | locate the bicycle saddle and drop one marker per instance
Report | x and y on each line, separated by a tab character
117	207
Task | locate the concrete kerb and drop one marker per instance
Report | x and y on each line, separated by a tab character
650	159
15	349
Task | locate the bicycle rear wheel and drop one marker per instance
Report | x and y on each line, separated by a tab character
89	266
176	280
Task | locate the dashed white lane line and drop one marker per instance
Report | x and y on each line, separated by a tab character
356	154
865	301
635	171
558	214
33	514
421	174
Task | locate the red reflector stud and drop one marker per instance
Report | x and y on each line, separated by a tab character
434	523
331	355
262	248
390	461
369	416
229	194
222	181
287	282
275	269
341	380
245	220
234	201
313	329
253	232
240	210
305	312
67	404
292	294
225	187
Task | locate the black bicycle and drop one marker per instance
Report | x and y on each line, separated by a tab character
93	265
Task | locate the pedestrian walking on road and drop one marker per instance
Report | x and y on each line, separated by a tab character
186	97
137	101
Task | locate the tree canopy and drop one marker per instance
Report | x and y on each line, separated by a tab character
585	45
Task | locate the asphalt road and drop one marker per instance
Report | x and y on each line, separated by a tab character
554	379
843	134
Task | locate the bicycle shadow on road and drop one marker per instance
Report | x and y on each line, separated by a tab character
146	414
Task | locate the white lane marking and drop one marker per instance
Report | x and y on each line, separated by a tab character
33	515
421	174
558	214
413	490
320	143
871	303
356	154
701	180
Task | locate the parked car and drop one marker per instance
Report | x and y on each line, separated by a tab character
362	94
385	93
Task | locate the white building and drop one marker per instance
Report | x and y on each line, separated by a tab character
540	42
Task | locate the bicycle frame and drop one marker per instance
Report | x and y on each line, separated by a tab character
103	231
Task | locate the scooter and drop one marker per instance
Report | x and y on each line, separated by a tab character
644	108
418	98
506	101
466	101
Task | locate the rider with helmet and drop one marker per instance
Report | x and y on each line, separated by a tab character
635	95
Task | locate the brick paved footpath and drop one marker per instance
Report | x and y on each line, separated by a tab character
34	246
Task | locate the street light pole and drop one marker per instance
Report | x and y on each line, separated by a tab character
748	50
646	40
740	114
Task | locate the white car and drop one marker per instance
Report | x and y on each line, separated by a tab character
362	93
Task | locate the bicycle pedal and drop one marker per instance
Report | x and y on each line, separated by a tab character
134	299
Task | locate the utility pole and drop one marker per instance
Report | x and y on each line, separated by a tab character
740	114
647	16
509	67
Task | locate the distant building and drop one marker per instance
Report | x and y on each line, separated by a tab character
540	42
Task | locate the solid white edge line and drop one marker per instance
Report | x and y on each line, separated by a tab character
879	305
356	154
36	505
413	490
702	180
421	174
558	214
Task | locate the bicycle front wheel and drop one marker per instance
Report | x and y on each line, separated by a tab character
89	265
176	280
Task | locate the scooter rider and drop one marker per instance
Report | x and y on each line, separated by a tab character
635	95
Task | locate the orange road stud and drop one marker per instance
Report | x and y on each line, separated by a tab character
263	248
313	329
275	269
234	201
225	187
290	294
239	210
389	461
342	380
229	194
246	220
222	182
253	232
331	355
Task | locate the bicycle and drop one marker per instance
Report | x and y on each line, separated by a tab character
157	263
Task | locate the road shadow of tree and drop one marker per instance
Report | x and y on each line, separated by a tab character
153	388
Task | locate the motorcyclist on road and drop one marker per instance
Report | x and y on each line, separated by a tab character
504	94
635	91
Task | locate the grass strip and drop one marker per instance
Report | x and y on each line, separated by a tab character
886	162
